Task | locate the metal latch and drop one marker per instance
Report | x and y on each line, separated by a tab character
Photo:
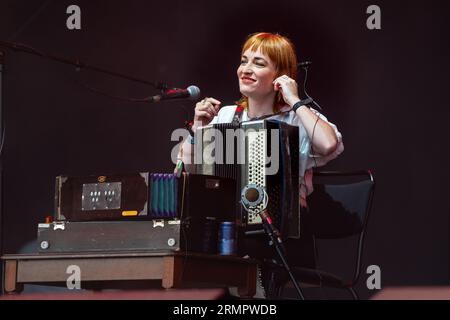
158	223
59	225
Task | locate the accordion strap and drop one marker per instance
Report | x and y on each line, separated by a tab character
238	115
237	118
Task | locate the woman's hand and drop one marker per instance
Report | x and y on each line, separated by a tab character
323	136
288	88
205	111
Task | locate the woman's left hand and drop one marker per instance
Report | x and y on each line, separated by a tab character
288	88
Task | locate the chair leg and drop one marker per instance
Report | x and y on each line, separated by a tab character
279	292
353	293
274	289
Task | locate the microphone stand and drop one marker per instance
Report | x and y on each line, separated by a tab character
78	64
275	240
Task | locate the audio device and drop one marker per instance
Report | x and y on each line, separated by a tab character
138	211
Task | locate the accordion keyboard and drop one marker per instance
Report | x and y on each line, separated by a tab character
256	166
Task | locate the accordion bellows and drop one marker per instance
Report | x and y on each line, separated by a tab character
163	195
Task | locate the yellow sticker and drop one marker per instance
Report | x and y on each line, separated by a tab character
129	213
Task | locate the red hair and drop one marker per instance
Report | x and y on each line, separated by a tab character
282	53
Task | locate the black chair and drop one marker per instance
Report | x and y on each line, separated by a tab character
339	208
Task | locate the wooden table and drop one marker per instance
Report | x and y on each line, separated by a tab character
173	269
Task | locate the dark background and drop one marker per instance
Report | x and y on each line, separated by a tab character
385	89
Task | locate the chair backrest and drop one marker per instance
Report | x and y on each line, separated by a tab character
340	207
341	203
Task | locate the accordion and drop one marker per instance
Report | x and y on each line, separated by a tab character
138	211
264	153
143	196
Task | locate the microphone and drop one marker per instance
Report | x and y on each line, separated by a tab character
192	93
304	64
252	196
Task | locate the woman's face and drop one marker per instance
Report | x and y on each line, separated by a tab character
256	74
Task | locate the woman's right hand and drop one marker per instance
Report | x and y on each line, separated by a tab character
205	111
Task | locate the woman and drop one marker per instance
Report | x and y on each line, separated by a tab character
266	76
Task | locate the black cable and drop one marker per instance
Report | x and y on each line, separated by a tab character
122	98
102	93
317	120
78	64
304	89
25	48
312	141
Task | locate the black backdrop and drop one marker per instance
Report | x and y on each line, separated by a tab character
385	89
